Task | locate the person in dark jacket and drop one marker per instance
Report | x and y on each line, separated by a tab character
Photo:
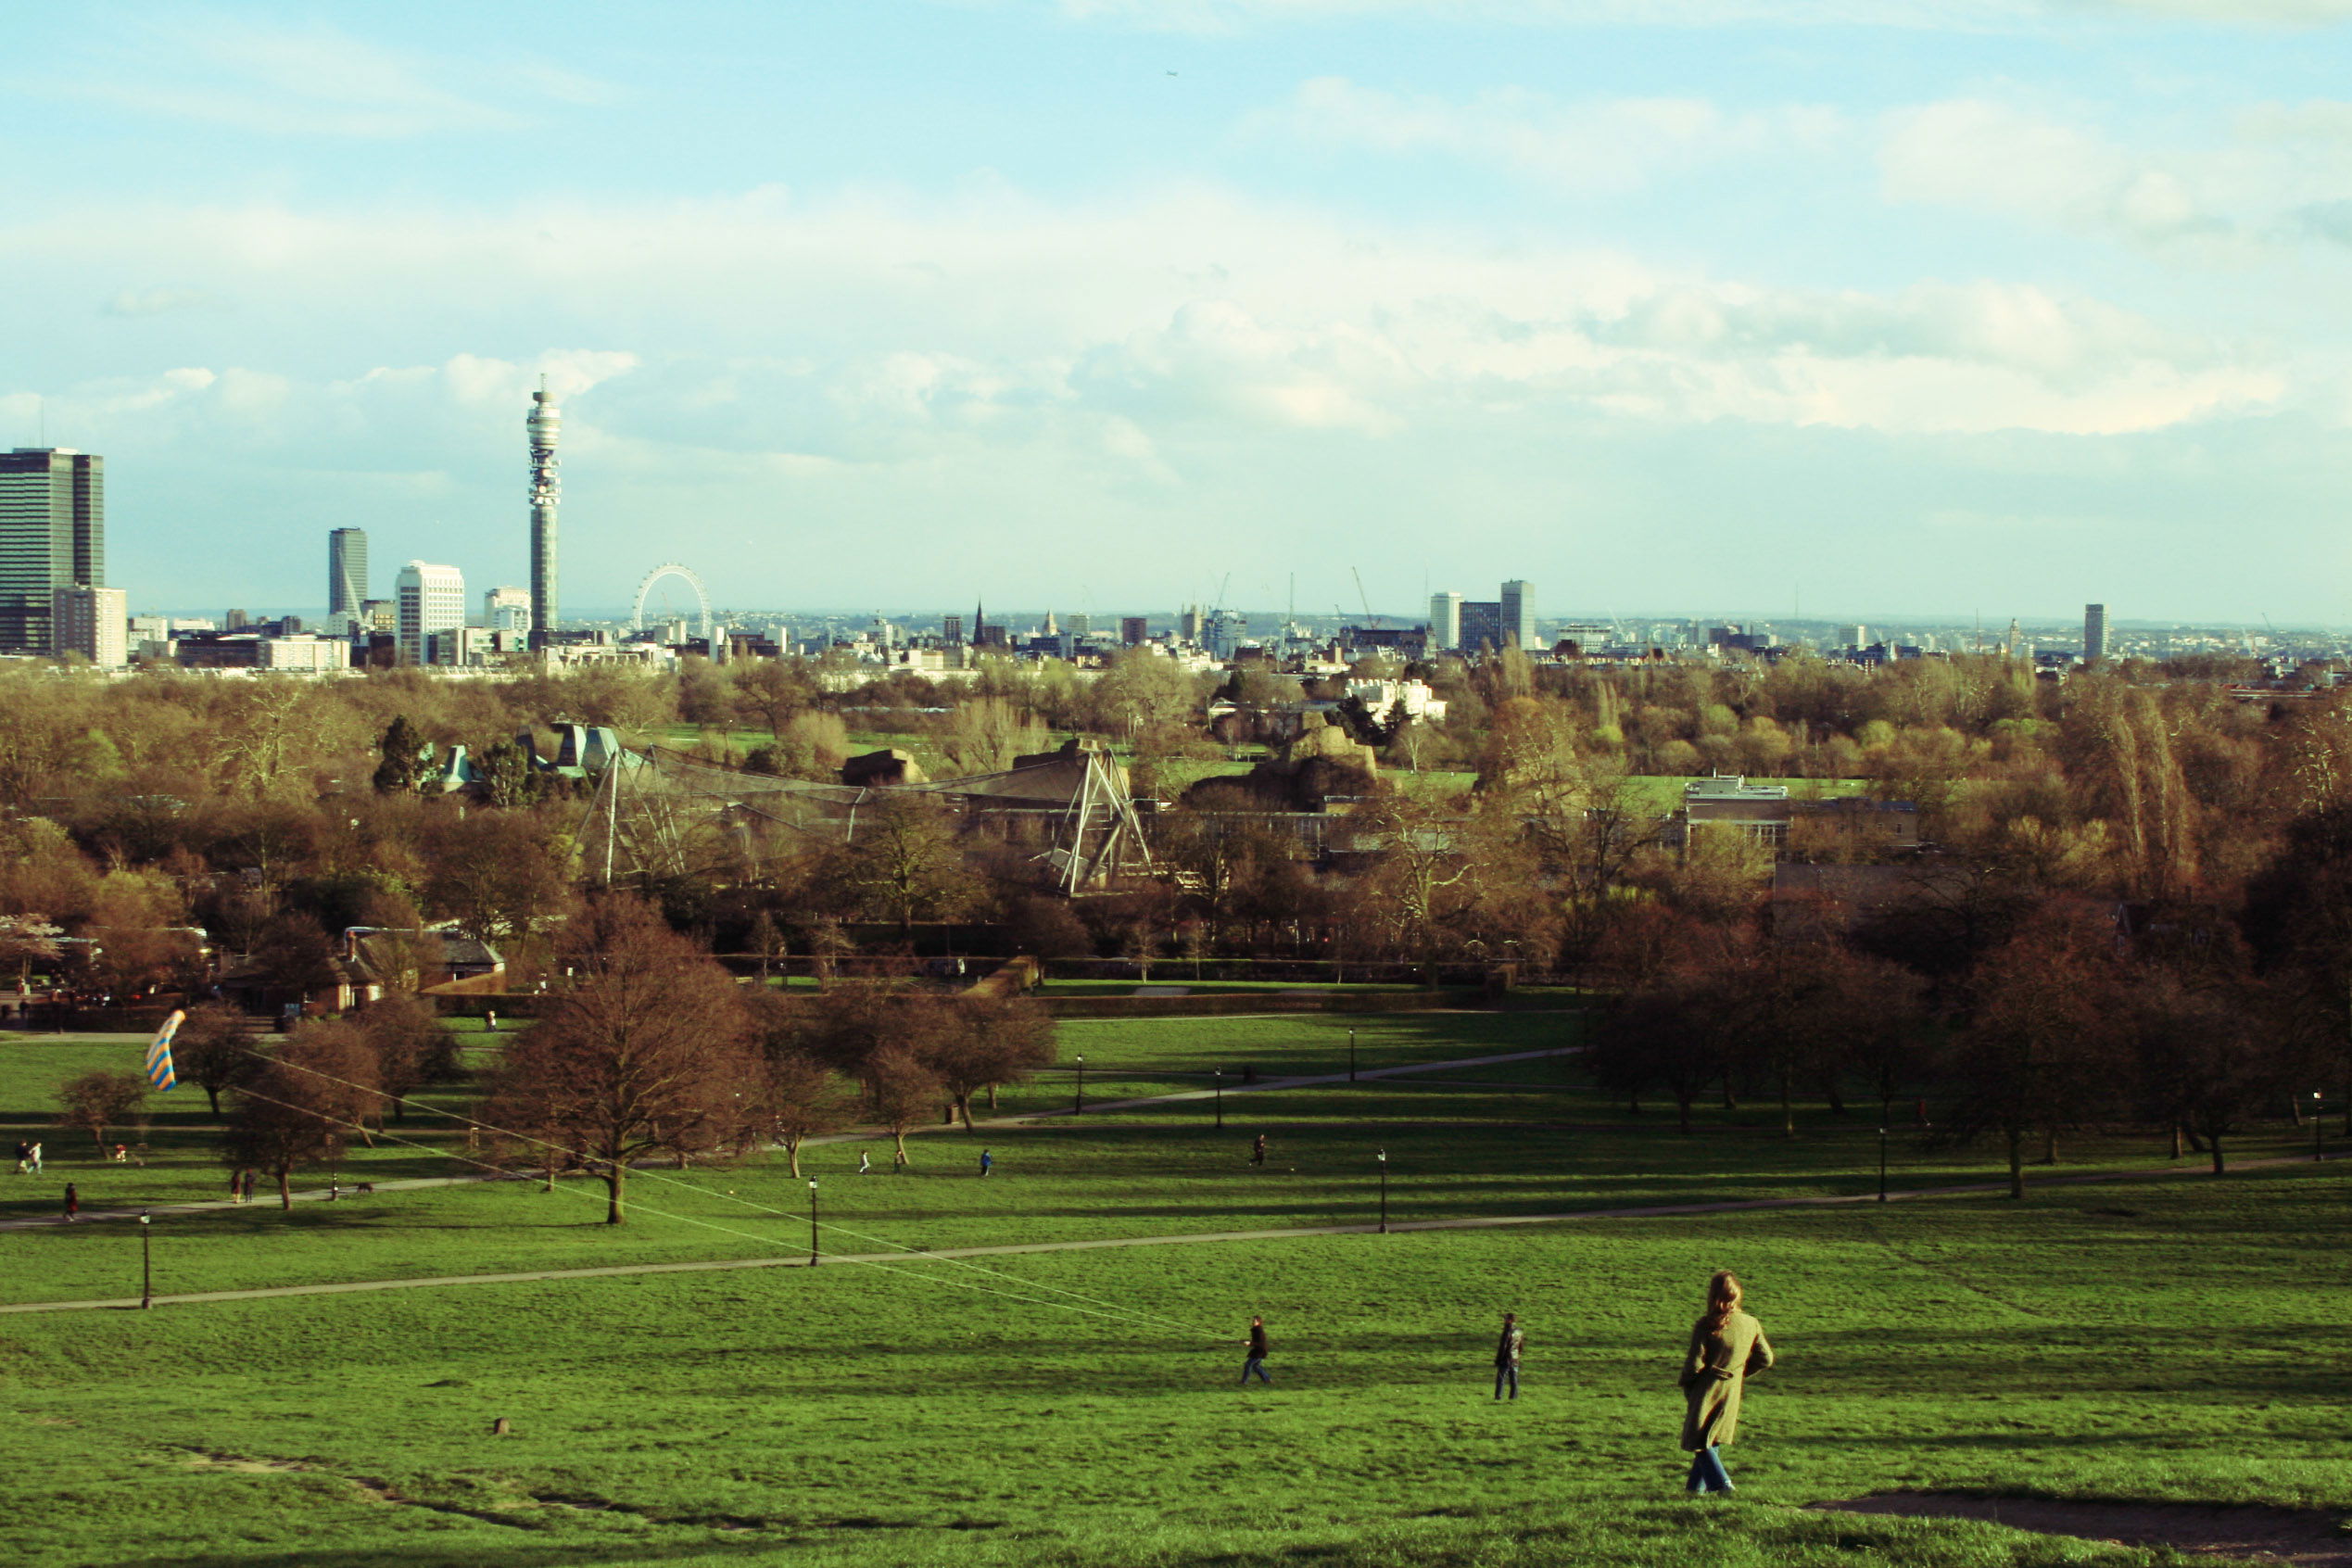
1728	1346
1256	1361
1507	1351
1258	1150
73	1203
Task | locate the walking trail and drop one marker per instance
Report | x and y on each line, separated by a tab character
1288	1233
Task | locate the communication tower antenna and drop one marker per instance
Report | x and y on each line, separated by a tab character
545	426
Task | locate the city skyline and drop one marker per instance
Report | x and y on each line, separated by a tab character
1762	303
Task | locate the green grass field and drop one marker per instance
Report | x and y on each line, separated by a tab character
2178	1339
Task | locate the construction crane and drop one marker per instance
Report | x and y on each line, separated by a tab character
1371	620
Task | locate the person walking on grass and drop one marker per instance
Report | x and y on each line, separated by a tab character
987	1161
1255	1361
864	1161
34	1155
24	1153
1507	1351
1728	1346
73	1203
1258	1150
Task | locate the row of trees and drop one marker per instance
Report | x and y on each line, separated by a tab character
655	1050
2060	1020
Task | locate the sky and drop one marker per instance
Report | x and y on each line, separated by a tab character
1881	307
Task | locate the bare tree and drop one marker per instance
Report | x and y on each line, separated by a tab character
96	1101
213	1050
646	1053
412	1047
800	1098
905	1092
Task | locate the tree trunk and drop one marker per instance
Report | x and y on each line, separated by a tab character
1682	1104
898	1140
286	1187
1787	1106
214	1095
2049	1145
2216	1139
992	1096
793	1155
2017	1162
616	1174
2175	1140
963	1110
1837	1099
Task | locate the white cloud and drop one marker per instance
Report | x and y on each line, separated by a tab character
316	80
157	301
1592	145
1991	157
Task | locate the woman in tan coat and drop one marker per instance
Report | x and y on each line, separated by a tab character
1727	1345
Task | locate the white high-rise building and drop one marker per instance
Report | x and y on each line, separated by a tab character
507	609
1445	622
430	599
92	622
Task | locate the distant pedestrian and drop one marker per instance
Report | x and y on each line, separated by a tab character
490	1016
898	1161
864	1162
34	1155
987	1161
249	1177
236	1186
1507	1351
123	1154
1255	1361
1258	1150
73	1203
24	1153
1727	1347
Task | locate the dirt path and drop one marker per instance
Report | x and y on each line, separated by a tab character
1288	1233
2306	1536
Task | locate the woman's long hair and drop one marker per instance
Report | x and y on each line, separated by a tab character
1723	1299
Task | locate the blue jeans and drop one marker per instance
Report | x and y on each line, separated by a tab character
1506	1374
1255	1364
1707	1473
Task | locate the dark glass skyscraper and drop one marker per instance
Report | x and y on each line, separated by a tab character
347	571
53	535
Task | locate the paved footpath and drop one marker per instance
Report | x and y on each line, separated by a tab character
320	1194
1195	1238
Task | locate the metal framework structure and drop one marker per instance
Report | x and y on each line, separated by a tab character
663	816
671	569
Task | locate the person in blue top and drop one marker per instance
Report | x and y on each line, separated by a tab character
987	1161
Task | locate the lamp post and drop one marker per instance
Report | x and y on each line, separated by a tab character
1351	1056
1882	1164
1217	1084
147	1262
1383	1191
811	1221
2318	1128
1079	1107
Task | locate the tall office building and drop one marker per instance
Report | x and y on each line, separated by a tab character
53	535
1445	622
2094	633
507	609
545	424
92	622
431	599
1519	613
1134	630
347	573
